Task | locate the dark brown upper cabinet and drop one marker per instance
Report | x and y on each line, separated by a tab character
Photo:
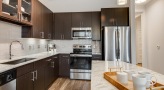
62	26
47	22
42	21
81	19
115	17
16	11
96	25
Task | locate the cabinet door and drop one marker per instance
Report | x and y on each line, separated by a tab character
82	19
39	74
115	17
25	82
47	22
96	57
64	66
49	73
58	26
108	17
56	67
9	11
122	16
96	25
50	25
26	13
39	81
37	20
86	19
67	26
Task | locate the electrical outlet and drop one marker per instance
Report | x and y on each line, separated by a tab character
30	47
158	47
38	46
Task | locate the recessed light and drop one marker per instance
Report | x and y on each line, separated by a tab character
121	2
140	1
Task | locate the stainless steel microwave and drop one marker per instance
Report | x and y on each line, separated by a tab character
82	33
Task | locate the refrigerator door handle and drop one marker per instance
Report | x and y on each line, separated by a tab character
116	44
118	38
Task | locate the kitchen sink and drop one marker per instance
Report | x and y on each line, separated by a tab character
18	61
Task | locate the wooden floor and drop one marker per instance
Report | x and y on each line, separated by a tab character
67	84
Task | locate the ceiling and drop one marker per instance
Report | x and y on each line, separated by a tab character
79	5
144	3
139	8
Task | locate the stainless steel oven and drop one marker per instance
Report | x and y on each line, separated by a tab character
85	32
80	62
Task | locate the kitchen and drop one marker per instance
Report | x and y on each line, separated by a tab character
65	45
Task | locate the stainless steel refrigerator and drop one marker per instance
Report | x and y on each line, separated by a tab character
117	43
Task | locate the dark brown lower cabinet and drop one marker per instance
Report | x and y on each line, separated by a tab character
56	66
49	72
64	66
39	81
96	57
24	82
38	75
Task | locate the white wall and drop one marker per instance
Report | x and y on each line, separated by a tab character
138	39
79	5
153	35
133	31
10	32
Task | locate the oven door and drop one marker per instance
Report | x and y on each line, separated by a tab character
80	62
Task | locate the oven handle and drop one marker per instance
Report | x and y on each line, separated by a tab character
80	55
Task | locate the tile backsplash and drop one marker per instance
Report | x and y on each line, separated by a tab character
10	32
66	46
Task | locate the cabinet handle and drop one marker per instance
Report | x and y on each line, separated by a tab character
55	57
49	36
63	36
48	60
33	76
65	56
42	34
36	74
68	61
52	64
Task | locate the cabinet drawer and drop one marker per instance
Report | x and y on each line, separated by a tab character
39	64
96	57
64	56
25	69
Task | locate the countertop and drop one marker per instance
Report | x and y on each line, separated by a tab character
99	67
39	56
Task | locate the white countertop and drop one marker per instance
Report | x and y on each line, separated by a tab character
99	67
39	56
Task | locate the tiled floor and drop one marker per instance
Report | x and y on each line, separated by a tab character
67	84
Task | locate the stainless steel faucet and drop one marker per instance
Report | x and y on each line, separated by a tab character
12	44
